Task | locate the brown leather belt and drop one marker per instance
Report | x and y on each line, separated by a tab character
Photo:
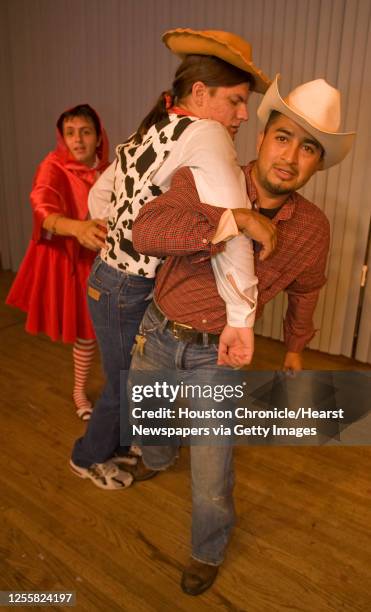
186	333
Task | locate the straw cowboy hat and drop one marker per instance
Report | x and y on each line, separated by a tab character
226	46
315	106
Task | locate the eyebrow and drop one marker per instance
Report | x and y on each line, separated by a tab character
306	140
313	142
82	127
240	98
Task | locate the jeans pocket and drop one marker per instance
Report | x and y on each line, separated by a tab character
150	322
134	294
98	302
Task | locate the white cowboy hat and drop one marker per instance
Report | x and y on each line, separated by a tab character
226	46
315	106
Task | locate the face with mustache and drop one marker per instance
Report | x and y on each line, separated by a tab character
287	157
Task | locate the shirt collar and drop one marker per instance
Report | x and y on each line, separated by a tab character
288	207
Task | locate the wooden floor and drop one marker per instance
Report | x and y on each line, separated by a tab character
302	541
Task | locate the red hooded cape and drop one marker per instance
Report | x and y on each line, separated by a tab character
51	282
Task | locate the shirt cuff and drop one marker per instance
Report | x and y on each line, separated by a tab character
227	228
239	315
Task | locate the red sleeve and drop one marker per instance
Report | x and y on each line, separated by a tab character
177	223
46	195
303	295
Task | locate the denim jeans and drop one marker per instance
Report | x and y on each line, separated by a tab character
117	302
213	514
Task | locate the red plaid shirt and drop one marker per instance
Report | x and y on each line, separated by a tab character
178	225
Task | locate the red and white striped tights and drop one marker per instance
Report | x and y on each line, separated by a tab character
83	354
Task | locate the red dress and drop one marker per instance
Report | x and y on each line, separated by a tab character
51	282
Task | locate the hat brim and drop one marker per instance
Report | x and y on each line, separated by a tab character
336	146
184	41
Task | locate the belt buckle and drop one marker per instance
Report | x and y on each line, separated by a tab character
178	328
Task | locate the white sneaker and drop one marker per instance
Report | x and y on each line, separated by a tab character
134	453
104	475
124	460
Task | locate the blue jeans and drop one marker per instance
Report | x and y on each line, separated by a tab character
117	302
213	513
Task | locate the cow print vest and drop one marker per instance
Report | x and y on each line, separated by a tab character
135	165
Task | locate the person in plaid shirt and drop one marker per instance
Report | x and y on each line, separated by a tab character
180	330
192	124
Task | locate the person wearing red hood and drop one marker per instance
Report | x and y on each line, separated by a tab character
51	282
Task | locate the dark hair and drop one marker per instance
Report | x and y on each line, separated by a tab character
274	115
211	70
81	110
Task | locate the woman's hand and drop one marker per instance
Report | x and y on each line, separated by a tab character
92	233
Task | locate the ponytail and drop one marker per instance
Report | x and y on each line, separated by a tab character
155	115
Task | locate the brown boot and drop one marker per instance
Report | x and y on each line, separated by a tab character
198	577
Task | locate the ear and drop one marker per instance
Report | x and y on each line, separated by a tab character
198	93
99	141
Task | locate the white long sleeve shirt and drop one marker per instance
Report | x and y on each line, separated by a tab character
207	149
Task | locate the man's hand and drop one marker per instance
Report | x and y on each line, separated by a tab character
259	228
92	233
293	362
236	346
